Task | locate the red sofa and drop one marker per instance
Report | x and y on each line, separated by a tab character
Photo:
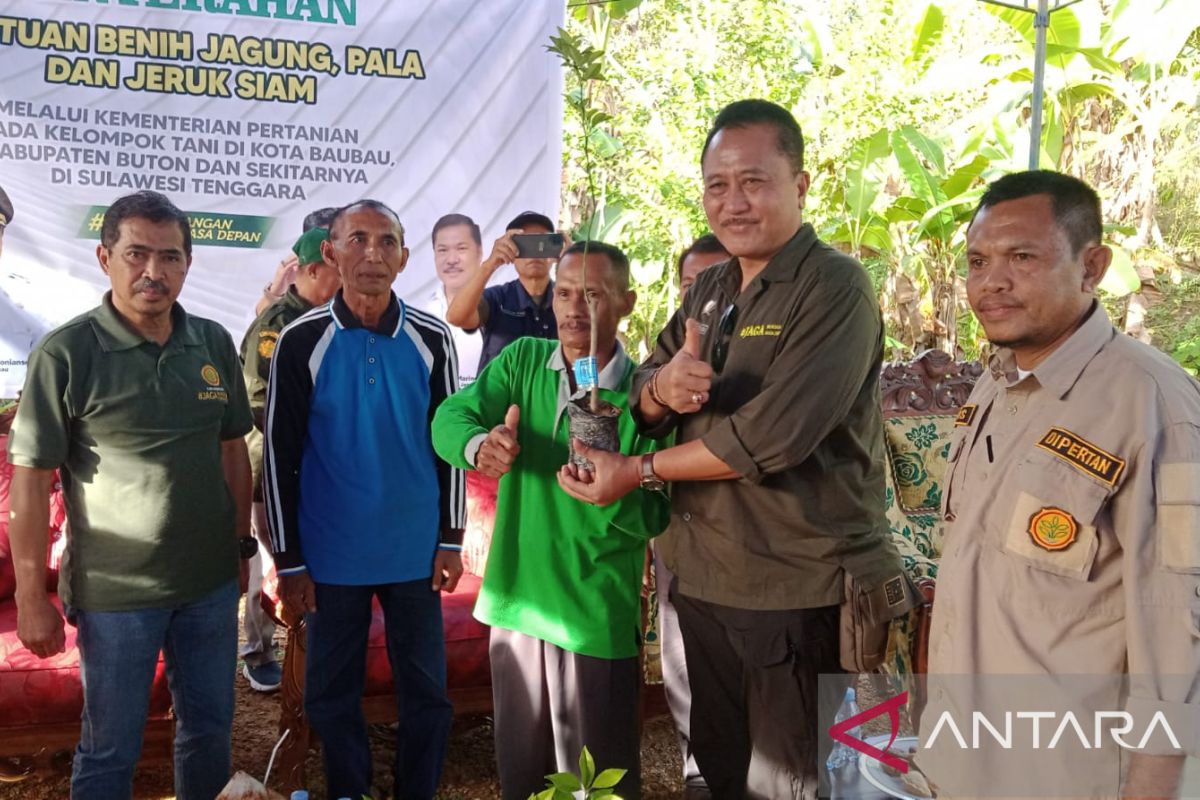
41	699
468	670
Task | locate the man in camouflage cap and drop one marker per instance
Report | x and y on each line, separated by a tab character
315	284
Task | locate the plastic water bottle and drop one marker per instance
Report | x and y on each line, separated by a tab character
842	754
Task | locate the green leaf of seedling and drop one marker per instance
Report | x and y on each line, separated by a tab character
605	146
608	779
587	768
564	781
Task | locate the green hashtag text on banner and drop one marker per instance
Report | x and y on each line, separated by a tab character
215	230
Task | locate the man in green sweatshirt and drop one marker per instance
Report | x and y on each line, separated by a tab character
562	587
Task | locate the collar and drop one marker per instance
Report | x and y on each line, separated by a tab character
525	299
115	334
610	378
292	299
1062	368
784	266
389	324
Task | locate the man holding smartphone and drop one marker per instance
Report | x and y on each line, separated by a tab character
520	307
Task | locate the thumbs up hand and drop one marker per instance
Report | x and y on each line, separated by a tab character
691	339
684	382
499	450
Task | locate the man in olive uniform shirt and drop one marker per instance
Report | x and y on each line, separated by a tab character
315	284
769	376
1073	502
143	409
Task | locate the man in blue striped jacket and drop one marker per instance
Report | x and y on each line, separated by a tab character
359	506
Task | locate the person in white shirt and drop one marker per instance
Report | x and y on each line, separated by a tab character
457	253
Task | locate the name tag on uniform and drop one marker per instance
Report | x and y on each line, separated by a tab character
1083	455
966	415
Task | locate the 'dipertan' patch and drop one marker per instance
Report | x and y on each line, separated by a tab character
966	415
1083	455
1053	529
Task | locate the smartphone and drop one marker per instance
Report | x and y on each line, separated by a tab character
538	245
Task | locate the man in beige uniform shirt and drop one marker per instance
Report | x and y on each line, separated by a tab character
1074	540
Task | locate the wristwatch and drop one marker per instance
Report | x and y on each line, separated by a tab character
247	547
650	480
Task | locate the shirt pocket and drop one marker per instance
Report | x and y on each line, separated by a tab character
1052	526
1179	518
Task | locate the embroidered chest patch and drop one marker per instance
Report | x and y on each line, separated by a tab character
1053	529
1083	455
266	343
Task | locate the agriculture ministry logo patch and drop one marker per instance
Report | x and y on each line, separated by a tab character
1053	529
210	375
266	343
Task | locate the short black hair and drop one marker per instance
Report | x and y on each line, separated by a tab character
527	218
373	205
321	218
452	220
146	205
744	113
615	255
1076	205
708	243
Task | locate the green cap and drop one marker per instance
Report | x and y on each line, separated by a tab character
308	247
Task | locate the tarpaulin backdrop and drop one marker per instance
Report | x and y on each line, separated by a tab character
250	113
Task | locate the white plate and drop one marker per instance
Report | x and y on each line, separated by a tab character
872	770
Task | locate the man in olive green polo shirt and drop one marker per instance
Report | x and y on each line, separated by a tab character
315	284
769	377
143	409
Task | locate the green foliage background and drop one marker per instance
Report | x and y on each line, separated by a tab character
908	108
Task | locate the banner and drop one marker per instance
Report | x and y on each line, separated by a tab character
249	114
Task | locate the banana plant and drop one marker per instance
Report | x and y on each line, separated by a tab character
917	227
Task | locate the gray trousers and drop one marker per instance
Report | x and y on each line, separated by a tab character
550	702
257	626
754	695
675	679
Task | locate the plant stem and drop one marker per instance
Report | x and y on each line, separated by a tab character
584	103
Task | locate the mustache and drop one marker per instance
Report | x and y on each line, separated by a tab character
150	283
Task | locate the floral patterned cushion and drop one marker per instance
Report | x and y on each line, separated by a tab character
917	450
